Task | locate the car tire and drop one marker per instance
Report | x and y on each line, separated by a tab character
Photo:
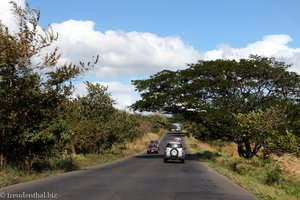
182	161
174	152
165	160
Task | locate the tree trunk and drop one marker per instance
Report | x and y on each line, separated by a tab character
244	148
2	154
248	150
240	149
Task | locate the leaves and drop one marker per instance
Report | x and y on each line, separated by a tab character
211	93
32	96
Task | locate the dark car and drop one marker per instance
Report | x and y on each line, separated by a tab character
154	142
152	148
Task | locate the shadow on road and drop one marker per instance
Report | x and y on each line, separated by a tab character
160	156
169	137
173	134
202	156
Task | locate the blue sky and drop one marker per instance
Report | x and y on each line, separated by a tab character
203	24
137	38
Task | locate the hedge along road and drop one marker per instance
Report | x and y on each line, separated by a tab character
139	177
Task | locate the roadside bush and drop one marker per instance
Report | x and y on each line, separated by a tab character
218	143
274	176
208	155
246	167
41	164
68	164
243	168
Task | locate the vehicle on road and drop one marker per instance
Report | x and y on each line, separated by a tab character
177	139
174	151
152	148
155	142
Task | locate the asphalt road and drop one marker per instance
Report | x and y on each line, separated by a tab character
140	177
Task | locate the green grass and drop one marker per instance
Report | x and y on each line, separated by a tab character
257	175
10	175
53	166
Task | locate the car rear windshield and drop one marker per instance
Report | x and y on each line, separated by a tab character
174	145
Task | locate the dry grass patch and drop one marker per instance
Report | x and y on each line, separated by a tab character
205	146
289	164
231	149
141	144
267	178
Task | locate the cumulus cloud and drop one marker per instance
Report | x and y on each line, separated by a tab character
124	94
127	54
270	46
122	53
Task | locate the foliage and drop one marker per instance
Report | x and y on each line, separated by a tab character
42	125
39	119
286	142
96	125
261	129
86	117
274	176
243	85
209	94
68	164
32	95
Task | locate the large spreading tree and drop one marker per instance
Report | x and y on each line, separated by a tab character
209	93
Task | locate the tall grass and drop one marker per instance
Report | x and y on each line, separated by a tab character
266	178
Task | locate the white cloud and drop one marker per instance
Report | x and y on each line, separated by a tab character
123	94
122	53
6	16
127	54
270	46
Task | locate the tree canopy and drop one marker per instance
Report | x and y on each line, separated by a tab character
208	93
40	118
31	94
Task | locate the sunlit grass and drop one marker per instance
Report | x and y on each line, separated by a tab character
264	178
10	176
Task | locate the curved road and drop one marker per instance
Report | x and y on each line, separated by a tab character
140	177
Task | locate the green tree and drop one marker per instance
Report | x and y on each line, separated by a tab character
87	116
257	129
31	95
210	92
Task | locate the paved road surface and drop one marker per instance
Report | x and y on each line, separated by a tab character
141	177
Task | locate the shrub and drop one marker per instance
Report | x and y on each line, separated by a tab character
41	164
243	168
68	164
247	167
208	155
274	176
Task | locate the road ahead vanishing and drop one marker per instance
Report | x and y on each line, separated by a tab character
140	177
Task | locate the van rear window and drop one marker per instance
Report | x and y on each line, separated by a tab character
174	145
